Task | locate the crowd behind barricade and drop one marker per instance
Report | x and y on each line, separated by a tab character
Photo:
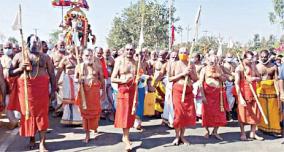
83	85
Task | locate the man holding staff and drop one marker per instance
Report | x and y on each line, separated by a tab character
248	112
34	109
184	112
124	74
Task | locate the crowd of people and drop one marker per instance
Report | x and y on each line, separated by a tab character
83	85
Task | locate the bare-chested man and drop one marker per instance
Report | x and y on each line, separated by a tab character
60	52
106	104
90	76
160	65
213	96
124	74
185	114
248	112
268	93
151	62
40	74
71	114
168	113
57	56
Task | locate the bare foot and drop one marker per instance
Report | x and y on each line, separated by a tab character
126	141
42	147
217	136
184	141
86	140
128	145
243	137
206	136
176	142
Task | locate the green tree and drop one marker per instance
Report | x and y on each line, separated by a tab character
277	16
54	36
256	42
12	40
207	42
126	27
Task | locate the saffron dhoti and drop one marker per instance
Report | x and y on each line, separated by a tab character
248	114
213	113
38	99
184	112
125	99
90	115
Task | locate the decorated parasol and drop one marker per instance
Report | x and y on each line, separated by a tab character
69	3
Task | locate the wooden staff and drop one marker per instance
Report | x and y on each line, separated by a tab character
28	68
141	41
81	85
190	53
136	84
253	92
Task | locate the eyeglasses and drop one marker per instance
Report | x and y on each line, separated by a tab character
129	49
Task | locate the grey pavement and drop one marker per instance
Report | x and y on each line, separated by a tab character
154	138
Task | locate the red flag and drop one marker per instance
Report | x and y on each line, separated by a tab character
173	35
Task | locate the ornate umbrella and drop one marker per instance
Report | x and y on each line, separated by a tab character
66	3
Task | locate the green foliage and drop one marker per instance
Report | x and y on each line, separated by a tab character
54	36
13	40
126	27
277	16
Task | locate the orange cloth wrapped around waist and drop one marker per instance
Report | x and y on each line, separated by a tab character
245	90
125	99
184	113
92	95
13	94
212	116
38	95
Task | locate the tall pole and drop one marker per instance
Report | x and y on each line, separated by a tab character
170	24
36	29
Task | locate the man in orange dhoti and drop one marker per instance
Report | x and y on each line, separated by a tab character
35	104
184	112
248	112
124	75
91	80
214	97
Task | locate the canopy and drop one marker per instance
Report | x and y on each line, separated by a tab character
76	3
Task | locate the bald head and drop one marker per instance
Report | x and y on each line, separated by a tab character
99	52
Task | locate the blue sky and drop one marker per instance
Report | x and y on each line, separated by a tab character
232	19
